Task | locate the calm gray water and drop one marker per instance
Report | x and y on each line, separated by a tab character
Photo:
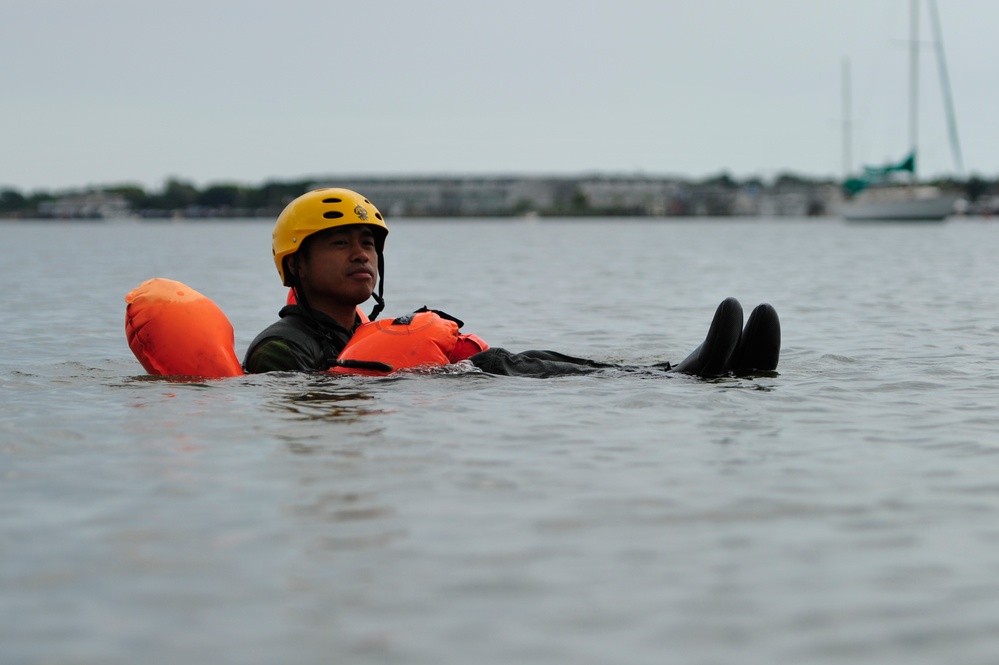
845	509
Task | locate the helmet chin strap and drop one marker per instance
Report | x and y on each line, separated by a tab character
379	300
296	283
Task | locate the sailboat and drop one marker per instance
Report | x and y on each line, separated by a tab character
886	193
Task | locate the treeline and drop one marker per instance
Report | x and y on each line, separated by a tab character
176	195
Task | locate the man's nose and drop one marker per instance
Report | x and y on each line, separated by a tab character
358	252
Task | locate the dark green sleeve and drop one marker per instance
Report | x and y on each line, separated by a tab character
275	355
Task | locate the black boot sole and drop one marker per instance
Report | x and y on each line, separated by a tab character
714	356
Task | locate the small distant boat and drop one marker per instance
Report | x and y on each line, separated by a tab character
884	193
900	204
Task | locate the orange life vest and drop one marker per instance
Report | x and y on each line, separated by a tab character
422	339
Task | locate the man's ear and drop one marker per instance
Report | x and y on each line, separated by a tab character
291	266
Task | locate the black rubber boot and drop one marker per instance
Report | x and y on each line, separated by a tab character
714	356
759	348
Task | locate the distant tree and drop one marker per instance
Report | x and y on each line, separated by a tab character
136	196
38	197
723	179
792	180
221	195
522	207
976	188
274	195
176	195
579	204
12	201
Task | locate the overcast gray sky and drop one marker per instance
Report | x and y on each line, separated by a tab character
101	92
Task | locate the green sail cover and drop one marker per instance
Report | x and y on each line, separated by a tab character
874	174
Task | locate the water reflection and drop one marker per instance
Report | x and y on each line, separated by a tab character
320	398
326	406
192	381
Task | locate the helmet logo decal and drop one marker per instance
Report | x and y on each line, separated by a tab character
361	212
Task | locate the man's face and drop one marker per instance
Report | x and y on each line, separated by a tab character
341	265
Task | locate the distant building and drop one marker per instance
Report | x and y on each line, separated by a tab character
482	196
656	197
90	205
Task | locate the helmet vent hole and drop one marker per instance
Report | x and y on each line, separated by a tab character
332	200
332	214
378	215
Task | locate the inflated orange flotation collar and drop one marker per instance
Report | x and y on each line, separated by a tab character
175	331
422	339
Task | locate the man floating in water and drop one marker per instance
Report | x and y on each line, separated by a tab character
328	247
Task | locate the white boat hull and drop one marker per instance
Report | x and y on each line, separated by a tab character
933	209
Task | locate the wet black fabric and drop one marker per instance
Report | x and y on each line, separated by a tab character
539	364
301	341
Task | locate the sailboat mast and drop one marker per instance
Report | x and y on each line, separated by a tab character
914	82
955	144
847	121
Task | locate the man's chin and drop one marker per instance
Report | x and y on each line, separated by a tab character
361	297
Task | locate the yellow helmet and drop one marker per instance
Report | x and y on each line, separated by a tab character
319	210
323	209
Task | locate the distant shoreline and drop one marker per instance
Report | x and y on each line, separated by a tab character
477	196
